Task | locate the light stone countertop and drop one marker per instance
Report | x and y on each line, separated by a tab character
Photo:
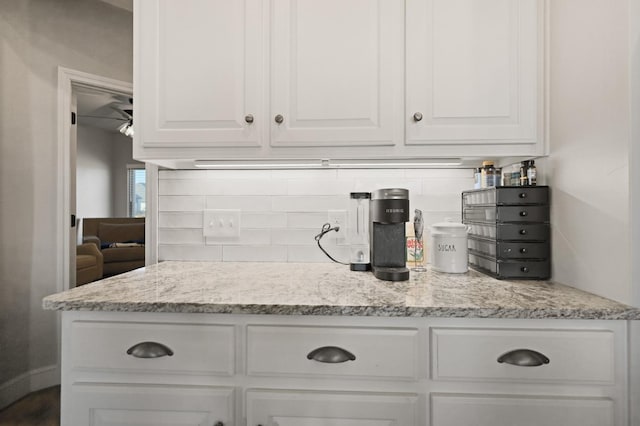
330	289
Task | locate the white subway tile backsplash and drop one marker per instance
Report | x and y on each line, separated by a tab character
294	237
180	236
180	220
306	220
179	203
249	253
189	252
263	220
313	187
310	204
254	187
190	187
244	203
282	210
256	237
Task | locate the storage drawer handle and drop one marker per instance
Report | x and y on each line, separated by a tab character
331	355
149	350
524	213
523	195
523	358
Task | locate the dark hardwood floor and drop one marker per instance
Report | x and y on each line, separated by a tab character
41	408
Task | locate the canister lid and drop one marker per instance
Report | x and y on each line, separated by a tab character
449	227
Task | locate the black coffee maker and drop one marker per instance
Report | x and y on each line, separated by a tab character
389	211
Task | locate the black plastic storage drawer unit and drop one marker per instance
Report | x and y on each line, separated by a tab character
509	231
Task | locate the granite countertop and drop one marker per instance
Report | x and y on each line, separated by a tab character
330	289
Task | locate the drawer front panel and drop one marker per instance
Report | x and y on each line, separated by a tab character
197	349
575	356
508	410
379	352
511	232
516	195
509	250
507	214
515	269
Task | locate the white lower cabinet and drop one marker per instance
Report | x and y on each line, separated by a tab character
509	410
298	408
121	368
148	405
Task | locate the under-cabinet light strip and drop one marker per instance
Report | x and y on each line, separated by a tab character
328	164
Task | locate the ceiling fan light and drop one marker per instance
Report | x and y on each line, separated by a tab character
129	130
123	127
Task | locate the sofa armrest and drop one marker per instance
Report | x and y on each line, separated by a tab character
92	239
92	250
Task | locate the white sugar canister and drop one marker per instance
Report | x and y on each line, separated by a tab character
449	247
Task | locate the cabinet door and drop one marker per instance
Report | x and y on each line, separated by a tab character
118	405
198	73
474	76
290	408
336	72
504	410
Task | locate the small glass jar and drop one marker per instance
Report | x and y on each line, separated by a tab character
488	175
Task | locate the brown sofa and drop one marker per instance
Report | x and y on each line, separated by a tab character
88	263
121	241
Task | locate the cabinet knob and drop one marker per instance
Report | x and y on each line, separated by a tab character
249	119
523	250
523	232
523	195
523	358
524	269
279	118
149	350
417	116
524	213
331	355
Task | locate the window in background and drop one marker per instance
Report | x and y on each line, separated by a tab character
136	190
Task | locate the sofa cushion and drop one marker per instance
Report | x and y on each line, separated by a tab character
120	232
123	254
85	261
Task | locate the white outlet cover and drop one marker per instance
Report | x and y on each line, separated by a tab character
221	223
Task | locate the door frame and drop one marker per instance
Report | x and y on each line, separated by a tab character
68	79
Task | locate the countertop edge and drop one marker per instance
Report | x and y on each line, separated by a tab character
328	310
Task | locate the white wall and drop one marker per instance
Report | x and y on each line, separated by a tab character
282	210
588	167
122	156
37	36
94	177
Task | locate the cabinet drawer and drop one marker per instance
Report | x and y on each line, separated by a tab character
505	195
507	214
511	269
509	250
509	410
197	349
97	404
378	352
511	232
574	356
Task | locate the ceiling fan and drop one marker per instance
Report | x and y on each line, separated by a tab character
108	111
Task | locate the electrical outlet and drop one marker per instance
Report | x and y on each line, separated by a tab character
224	224
338	218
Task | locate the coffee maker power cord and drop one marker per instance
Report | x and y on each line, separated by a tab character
325	229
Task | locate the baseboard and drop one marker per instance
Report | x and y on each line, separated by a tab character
28	382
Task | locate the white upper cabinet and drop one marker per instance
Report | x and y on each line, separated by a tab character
336	74
474	76
334	79
198	73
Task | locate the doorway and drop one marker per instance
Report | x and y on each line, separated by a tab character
71	83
